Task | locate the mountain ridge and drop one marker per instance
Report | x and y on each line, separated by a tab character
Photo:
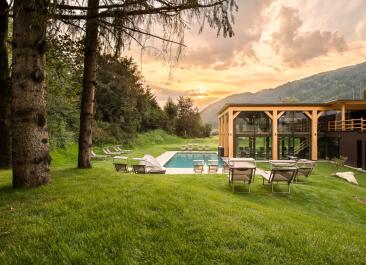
341	83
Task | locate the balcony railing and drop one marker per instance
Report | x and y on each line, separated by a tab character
347	125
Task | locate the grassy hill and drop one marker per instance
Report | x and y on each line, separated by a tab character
98	216
342	83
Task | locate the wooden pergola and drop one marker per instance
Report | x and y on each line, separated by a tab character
229	112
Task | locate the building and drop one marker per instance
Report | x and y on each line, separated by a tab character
311	131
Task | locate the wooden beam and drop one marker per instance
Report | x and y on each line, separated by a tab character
236	114
220	133
231	134
280	108
314	135
320	114
269	114
307	113
274	135
280	114
343	116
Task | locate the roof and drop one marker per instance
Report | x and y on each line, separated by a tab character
329	103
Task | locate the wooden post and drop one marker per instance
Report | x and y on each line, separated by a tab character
363	127
274	135
314	135
224	133
219	125
231	133
226	151
343	117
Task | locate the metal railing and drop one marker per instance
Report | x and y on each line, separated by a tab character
347	125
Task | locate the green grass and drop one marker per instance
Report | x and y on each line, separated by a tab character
98	216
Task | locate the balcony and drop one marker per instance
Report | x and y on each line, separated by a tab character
347	125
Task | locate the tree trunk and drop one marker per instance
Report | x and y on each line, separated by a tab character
5	105
31	155
89	81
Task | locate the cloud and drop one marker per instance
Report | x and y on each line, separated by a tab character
162	94
208	51
296	47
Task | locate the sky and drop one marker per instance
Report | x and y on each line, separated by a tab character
276	41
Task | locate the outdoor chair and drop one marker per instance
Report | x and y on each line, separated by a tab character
96	157
122	151
190	147
147	165
198	166
242	171
183	148
282	171
139	169
120	163
225	166
108	152
205	148
200	148
213	166
304	168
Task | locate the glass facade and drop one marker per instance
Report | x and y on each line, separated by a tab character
253	135
294	135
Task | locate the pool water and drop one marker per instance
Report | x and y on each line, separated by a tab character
185	160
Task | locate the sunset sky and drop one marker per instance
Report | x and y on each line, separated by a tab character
275	41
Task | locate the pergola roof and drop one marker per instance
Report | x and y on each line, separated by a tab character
336	104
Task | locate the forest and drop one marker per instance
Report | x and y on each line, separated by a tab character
124	104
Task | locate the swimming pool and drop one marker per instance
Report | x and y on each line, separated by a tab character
185	160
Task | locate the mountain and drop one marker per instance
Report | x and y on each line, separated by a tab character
343	83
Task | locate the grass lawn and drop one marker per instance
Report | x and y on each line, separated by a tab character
98	216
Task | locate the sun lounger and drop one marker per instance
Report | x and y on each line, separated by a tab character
96	157
122	151
198	166
213	166
147	165
139	169
120	163
282	171
242	171
109	152
205	148
226	166
200	148
183	148
304	168
190	147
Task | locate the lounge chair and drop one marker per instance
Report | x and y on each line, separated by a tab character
122	151
205	148
190	147
120	163
282	171
96	157
242	171
198	166
109	152
200	148
304	168
147	165
183	148
226	165
213	166
195	147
